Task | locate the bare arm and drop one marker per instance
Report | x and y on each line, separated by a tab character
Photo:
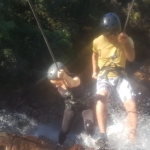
94	64
129	51
128	48
69	81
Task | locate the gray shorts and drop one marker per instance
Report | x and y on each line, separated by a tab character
123	87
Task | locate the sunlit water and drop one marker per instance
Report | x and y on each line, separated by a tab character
116	130
118	135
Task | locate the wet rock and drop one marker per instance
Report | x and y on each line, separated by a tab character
43	118
35	105
15	142
53	116
35	113
76	147
79	147
41	110
28	109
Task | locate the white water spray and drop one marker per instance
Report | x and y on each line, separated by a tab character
118	133
16	123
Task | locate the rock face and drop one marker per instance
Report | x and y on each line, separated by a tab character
16	142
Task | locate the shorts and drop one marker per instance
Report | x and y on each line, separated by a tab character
122	86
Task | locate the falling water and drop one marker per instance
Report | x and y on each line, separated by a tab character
16	123
116	130
118	133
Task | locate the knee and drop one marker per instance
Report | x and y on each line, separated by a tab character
101	100
102	97
89	127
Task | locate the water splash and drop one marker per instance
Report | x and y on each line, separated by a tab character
16	123
50	130
118	134
116	130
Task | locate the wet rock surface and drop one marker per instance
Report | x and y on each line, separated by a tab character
15	142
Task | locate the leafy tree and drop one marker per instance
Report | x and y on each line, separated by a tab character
69	26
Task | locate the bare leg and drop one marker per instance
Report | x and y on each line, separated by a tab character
101	111
132	118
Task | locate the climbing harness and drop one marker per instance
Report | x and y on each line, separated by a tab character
112	67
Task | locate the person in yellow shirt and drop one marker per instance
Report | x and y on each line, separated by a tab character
110	52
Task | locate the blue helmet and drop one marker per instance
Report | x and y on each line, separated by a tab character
110	24
52	71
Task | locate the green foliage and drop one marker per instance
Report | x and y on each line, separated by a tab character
140	14
5	27
61	44
140	25
69	26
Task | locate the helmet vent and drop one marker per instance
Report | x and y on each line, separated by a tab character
109	22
